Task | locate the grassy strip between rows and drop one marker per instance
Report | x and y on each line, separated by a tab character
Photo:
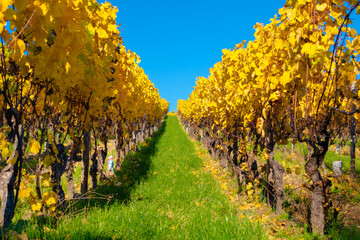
156	195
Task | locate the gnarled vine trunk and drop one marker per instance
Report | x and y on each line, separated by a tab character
7	184
85	163
70	165
252	166
275	187
224	156
94	169
57	170
318	195
10	180
275	180
101	158
119	141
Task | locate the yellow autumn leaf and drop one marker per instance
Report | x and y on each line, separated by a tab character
20	45
332	30
250	192
24	193
243	166
249	186
20	5
5	152
5	4
102	33
112	28
50	198
265	155
285	78
13	160
10	14
274	96
309	48
46	183
279	44
321	7
91	29
34	147
48	160
67	67
335	14
36	207
43	6
301	2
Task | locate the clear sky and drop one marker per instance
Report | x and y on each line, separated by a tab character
178	41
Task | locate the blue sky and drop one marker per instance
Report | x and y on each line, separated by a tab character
178	41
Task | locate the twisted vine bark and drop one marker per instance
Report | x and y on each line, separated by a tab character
119	142
57	170
10	178
318	196
85	163
70	165
275	187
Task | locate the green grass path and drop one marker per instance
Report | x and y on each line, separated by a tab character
170	197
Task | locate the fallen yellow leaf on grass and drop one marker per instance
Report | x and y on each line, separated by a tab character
223	186
36	207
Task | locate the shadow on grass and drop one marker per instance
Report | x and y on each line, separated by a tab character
134	169
339	232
